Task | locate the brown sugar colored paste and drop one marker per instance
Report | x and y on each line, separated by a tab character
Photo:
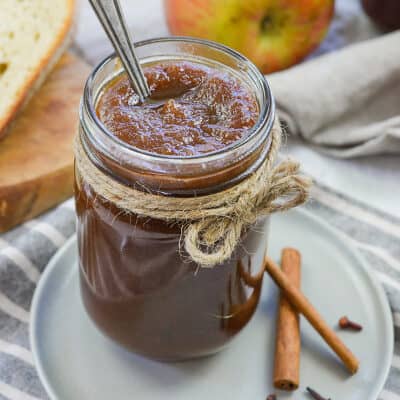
137	284
205	110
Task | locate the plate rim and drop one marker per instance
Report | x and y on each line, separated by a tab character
34	311
364	266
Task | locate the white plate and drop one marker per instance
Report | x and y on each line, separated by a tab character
76	362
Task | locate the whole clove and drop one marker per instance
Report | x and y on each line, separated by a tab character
315	395
345	323
271	397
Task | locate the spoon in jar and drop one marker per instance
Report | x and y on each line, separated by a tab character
110	15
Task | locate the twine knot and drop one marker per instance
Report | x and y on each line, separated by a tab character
211	241
213	224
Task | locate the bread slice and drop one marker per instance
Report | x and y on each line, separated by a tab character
36	158
33	36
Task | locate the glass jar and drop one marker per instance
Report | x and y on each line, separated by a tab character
137	283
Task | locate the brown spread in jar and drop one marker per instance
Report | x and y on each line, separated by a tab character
137	284
204	110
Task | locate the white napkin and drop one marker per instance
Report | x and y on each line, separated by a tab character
345	103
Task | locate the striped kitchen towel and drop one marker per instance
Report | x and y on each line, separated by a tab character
25	251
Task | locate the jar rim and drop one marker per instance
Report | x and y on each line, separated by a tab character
264	121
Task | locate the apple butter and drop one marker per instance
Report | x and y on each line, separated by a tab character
199	110
137	283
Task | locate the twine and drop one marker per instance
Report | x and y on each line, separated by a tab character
213	224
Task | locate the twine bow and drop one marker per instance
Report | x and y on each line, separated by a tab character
213	224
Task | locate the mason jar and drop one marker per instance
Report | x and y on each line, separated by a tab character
137	283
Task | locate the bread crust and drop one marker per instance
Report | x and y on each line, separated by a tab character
54	53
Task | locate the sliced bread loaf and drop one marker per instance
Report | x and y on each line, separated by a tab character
33	35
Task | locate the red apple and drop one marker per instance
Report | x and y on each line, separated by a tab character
385	13
274	34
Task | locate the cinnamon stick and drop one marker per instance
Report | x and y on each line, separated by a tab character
301	303
287	351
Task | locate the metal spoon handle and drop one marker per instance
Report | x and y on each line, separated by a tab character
112	19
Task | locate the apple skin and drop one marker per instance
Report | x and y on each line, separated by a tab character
274	34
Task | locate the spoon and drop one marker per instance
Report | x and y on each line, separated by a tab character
110	15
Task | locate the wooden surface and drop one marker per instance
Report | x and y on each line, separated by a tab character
36	160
